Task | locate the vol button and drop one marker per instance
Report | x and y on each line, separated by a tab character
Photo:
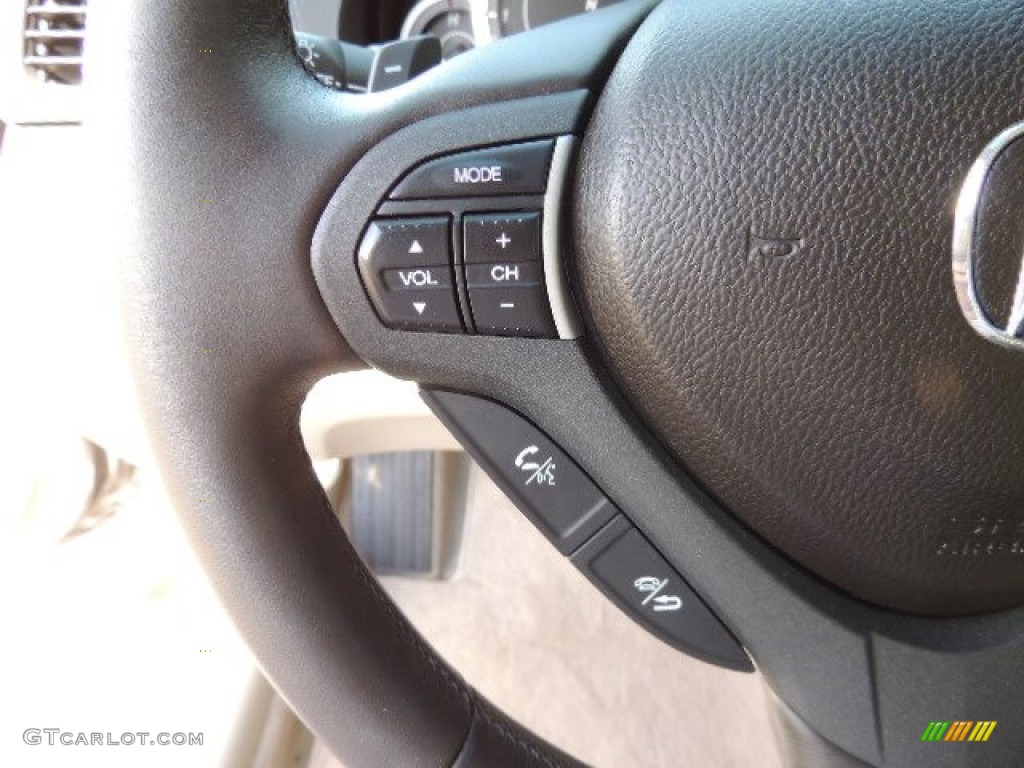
417	277
406	269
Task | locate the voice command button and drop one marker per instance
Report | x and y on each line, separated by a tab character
626	567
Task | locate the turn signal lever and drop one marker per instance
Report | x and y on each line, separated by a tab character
348	67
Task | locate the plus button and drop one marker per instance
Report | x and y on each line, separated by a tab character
503	241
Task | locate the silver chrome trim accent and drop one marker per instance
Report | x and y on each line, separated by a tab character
563	309
965	223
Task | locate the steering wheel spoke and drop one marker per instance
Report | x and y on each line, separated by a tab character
232	153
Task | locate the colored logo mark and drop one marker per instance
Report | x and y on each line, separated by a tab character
959	730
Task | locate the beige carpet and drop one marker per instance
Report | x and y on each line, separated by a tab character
528	630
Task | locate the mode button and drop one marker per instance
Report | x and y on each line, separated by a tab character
512	169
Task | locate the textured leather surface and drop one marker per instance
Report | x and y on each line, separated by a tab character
230	152
828	392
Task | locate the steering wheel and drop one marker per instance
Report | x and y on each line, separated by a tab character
756	351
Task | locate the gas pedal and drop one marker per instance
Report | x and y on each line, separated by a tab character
404	511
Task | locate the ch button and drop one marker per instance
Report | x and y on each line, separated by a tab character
406	268
505	274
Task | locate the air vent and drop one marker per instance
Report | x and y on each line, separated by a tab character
54	37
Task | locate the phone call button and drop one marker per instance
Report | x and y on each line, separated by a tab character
532	470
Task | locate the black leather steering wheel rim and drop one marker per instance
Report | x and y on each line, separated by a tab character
228	330
224	364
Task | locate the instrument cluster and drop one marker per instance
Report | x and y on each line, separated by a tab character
461	25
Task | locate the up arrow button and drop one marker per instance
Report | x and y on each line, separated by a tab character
512	169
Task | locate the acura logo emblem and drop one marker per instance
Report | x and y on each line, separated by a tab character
971	209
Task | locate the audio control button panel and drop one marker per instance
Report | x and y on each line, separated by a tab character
470	243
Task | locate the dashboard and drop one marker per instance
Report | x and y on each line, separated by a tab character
369	45
460	25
